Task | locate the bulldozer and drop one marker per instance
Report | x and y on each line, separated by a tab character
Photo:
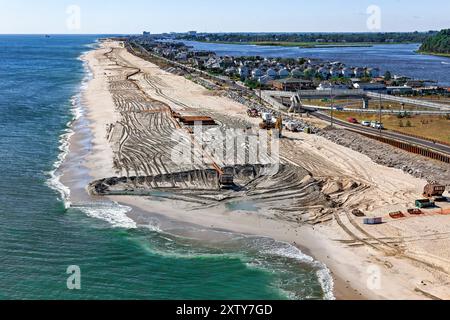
267	122
433	189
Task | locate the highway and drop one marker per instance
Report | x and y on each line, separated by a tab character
445	149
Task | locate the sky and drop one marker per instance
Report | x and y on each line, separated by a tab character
157	16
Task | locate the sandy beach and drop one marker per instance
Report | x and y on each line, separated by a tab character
400	259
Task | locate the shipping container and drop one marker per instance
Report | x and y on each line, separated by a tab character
373	221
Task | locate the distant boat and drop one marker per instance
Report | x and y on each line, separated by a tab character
47	36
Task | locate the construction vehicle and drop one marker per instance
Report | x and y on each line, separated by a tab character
424	203
279	126
267	121
226	180
296	104
358	213
433	189
292	126
253	113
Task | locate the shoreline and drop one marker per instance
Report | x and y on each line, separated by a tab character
348	267
342	292
307	45
79	166
444	55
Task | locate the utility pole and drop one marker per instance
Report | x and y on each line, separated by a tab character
260	96
332	106
380	117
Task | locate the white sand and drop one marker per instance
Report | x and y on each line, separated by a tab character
400	277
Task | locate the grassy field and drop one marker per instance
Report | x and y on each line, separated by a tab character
432	127
358	104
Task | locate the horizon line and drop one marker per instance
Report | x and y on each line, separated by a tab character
220	32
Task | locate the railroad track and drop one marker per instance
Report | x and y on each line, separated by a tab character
438	147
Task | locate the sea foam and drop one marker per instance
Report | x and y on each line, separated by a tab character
54	180
111	212
323	273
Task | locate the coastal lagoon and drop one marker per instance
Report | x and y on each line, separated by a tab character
400	59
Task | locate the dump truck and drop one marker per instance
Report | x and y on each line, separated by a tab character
433	190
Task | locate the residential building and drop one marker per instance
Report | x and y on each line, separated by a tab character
359	72
347	73
284	73
292	84
257	73
373	72
272	73
372	87
399	90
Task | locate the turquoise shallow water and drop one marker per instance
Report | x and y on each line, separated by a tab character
39	238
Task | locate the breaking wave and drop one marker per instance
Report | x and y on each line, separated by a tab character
113	213
76	109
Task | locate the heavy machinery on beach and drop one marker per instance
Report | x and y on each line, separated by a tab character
270	123
434	189
253	113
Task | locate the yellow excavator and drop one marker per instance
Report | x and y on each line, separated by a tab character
268	124
279	126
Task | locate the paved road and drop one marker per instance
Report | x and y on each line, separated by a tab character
416	102
388	134
442	108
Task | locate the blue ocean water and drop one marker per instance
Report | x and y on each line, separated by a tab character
40	238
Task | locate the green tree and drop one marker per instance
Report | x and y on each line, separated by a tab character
387	76
439	43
